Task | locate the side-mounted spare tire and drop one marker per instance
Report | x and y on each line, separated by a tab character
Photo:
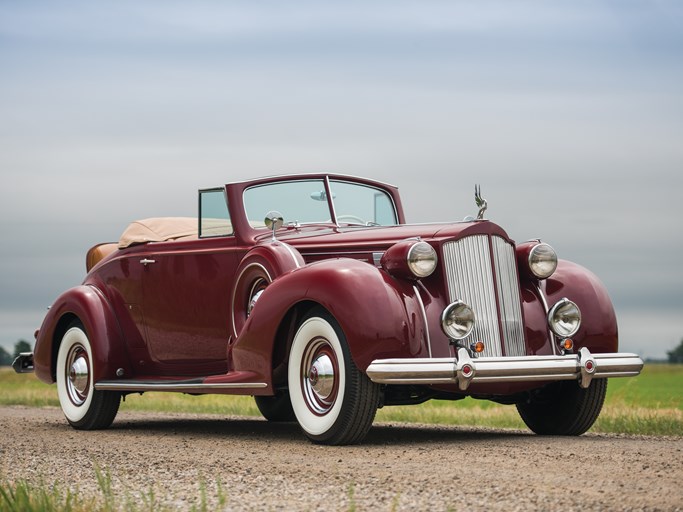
259	267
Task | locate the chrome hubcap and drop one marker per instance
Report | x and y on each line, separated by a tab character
319	376
78	376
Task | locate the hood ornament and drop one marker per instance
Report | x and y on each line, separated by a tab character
481	202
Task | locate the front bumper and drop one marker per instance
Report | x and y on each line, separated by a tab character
465	370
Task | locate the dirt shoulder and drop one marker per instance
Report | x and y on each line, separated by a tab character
262	466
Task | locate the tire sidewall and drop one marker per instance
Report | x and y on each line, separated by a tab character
74	336
315	327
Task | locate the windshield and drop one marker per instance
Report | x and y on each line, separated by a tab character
305	202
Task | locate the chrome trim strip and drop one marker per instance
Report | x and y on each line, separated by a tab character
546	309
339	254
463	370
292	254
424	319
110	385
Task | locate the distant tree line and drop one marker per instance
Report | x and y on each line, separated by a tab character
6	359
20	346
676	355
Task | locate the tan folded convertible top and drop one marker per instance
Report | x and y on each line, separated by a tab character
158	229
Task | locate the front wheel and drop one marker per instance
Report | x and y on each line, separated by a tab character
84	407
334	402
563	408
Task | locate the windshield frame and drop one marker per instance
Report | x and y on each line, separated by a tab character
328	182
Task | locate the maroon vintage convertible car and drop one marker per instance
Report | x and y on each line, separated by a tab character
327	315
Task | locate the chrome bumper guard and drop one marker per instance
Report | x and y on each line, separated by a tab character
464	369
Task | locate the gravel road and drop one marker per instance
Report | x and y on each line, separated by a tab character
263	466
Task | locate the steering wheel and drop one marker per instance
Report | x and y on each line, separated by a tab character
353	218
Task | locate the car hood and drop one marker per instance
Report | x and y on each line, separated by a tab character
381	237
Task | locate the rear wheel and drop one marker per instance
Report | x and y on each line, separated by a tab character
563	408
334	402
84	407
276	408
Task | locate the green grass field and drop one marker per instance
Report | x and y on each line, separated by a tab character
650	404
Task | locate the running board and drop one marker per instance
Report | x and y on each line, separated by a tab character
188	386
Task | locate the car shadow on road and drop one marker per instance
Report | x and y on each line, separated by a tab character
258	429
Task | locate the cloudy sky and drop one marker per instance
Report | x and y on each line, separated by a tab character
569	115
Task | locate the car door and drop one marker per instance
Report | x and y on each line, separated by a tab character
187	288
186	294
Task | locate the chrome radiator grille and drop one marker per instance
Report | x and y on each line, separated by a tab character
470	277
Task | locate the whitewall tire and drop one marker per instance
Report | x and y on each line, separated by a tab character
332	400
83	406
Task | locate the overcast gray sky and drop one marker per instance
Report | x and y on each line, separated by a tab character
569	115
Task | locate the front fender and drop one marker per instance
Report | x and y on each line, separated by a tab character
87	304
598	331
380	315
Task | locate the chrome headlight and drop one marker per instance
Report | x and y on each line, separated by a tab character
421	259
542	260
409	259
457	320
564	318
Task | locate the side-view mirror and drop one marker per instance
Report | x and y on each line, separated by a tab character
321	196
274	221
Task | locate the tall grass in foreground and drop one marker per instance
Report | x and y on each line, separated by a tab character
24	496
650	404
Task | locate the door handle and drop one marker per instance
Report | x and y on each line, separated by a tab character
146	262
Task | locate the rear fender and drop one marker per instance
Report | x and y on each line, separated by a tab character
379	315
87	304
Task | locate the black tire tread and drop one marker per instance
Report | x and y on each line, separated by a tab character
564	408
277	408
103	409
362	407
